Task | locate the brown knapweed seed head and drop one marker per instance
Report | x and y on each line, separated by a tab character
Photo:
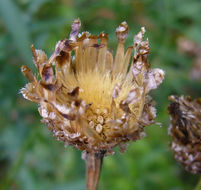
185	130
94	101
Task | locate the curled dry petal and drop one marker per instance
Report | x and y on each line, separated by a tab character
154	79
28	73
75	29
138	39
94	101
185	130
122	32
39	57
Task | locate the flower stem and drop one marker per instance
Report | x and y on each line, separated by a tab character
198	186
93	169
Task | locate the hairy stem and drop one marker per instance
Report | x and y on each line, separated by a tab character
93	169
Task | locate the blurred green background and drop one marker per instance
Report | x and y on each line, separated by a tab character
30	158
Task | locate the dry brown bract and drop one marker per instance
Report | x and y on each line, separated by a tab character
185	131
93	101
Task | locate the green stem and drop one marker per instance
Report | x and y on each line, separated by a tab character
198	186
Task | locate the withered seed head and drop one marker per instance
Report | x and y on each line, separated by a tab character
185	131
93	102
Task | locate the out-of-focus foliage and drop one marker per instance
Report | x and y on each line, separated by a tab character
30	158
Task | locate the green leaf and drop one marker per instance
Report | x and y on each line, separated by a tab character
15	24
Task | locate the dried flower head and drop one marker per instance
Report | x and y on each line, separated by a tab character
185	131
192	49
188	46
195	72
94	101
